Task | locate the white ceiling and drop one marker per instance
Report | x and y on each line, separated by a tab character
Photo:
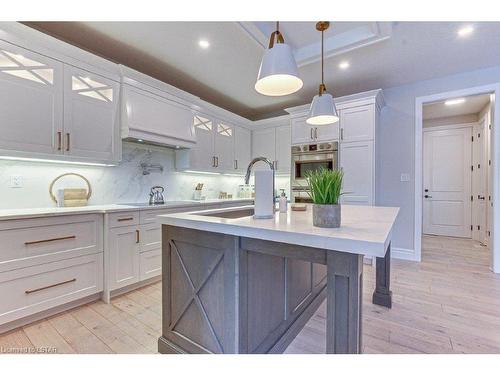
471	105
380	54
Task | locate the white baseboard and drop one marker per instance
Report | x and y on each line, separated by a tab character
401	253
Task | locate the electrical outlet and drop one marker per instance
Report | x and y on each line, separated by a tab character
405	177
16	181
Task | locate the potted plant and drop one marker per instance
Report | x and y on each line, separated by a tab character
325	190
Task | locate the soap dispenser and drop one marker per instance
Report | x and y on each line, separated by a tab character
283	203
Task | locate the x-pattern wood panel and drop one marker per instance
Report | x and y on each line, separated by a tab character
194	296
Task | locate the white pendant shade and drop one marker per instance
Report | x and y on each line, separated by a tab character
322	111
278	73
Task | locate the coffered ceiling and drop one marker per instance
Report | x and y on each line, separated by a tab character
379	55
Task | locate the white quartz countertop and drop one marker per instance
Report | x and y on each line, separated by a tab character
364	230
23	213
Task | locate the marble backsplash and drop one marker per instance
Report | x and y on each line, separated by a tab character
124	183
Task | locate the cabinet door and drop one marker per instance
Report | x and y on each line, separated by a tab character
242	148
358	123
301	131
224	147
326	133
201	156
154	114
123	256
356	160
31	101
283	149
264	144
91	128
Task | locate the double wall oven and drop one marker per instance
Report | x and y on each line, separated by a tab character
310	157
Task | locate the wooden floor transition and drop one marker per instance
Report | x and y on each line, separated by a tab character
448	303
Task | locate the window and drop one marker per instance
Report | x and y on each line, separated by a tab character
22	67
225	130
87	86
202	123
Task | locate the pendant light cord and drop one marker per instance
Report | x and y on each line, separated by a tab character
322	58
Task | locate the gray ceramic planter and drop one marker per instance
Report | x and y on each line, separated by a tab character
326	215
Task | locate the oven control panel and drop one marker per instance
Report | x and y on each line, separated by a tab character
315	147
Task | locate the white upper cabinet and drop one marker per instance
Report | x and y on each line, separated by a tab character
357	123
155	118
283	149
264	144
224	146
201	156
302	132
90	115
242	148
31	102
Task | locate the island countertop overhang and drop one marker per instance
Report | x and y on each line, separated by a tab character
365	230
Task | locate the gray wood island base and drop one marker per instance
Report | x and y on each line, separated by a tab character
233	284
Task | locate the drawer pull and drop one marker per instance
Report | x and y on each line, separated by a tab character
137	236
50	240
49	286
125	219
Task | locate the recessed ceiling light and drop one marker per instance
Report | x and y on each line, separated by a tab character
203	43
454	101
140	140
465	31
344	65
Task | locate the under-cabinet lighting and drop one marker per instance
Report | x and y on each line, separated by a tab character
201	172
54	161
454	101
465	31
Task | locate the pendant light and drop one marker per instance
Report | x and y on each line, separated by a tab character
322	111
278	73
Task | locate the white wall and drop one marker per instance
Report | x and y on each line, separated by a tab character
121	184
397	143
451	120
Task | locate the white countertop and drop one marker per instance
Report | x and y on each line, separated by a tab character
24	213
365	230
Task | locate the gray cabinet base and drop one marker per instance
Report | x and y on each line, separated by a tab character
382	295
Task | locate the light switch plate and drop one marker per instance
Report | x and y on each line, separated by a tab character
405	177
16	181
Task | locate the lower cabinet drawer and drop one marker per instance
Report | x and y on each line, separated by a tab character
33	289
150	264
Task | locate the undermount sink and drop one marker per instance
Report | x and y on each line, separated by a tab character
233	214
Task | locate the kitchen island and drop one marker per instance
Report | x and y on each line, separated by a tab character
233	284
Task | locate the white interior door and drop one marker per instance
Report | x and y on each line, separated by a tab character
447	182
479	181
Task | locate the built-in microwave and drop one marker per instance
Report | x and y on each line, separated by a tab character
313	157
310	157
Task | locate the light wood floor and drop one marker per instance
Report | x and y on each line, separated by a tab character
449	303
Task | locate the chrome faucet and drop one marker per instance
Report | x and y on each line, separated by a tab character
249	171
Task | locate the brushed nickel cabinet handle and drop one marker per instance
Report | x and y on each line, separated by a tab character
342	134
311	133
125	219
235	164
68	139
29	291
137	236
217	162
315	133
59	141
50	240
213	161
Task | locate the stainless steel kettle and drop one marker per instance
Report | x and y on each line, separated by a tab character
156	195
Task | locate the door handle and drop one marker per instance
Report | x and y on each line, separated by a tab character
341	134
67	141
311	135
427	196
315	133
59	141
137	236
217	161
213	161
480	197
235	164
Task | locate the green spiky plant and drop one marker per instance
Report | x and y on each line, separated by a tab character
325	186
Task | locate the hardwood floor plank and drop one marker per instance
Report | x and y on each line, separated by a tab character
42	334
